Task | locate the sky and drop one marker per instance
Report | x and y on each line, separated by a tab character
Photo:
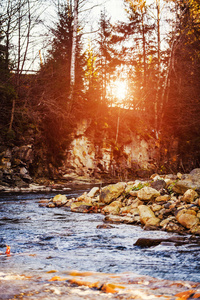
89	20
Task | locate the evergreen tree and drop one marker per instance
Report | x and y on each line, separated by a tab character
57	111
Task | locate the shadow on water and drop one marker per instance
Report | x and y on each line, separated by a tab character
44	239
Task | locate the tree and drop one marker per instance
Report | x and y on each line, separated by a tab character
18	22
108	57
56	110
7	91
180	113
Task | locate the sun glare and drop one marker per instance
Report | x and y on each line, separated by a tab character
119	89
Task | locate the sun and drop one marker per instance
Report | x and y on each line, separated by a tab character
119	89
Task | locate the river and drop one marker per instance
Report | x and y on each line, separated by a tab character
44	239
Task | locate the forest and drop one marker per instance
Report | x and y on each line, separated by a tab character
141	75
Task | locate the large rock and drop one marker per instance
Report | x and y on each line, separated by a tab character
187	219
147	216
147	193
113	208
93	192
111	192
189	181
195	173
60	200
190	196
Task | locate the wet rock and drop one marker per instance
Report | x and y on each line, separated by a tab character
82	207
113	208
147	216
104	226
190	196
147	242
60	200
147	194
51	205
111	192
121	219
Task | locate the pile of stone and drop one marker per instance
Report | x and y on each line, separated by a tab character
170	202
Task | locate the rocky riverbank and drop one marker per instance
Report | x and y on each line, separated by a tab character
169	202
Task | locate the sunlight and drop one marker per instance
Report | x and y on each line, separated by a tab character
119	89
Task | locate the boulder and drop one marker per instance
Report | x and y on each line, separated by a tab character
190	196
93	192
84	198
111	192
181	186
60	200
187	219
147	193
113	208
148	242
147	216
195	173
188	181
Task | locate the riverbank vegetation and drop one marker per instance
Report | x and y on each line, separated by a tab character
155	52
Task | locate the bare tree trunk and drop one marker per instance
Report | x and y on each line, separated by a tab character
158	69
158	31
74	46
144	50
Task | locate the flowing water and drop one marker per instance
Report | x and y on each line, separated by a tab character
44	239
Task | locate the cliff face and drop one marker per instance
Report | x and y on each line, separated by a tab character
89	156
92	154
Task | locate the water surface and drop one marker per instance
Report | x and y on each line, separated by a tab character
44	239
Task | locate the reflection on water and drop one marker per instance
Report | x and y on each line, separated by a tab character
44	239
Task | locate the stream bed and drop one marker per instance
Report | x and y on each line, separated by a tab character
45	240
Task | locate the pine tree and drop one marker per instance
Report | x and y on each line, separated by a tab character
57	111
